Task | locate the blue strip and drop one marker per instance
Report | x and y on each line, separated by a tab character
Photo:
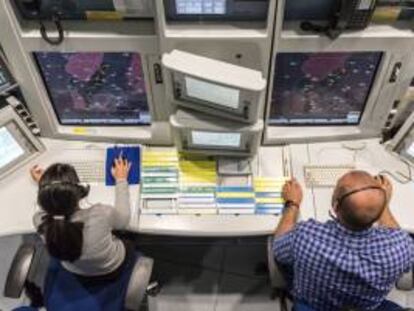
268	194
236	200
268	211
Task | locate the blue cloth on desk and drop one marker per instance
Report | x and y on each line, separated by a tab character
66	292
132	154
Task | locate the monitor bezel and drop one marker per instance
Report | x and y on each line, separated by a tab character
192	145
332	124
378	105
8	118
88	36
54	108
247	99
26	153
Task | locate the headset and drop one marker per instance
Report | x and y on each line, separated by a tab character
338	202
82	188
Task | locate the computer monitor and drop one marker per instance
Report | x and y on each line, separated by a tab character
198	133
403	142
316	89
95	89
214	87
17	143
216	10
324	96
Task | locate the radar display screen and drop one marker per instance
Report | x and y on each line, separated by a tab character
322	88
95	88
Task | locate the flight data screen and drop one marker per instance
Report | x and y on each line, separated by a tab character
95	88
201	7
322	88
214	139
213	93
10	149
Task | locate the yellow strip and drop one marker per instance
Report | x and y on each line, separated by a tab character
103	15
160	164
198	173
386	14
267	189
199	179
269	200
271	179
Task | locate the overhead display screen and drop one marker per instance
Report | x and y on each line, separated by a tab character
213	93
197	7
215	139
95	88
322	88
10	150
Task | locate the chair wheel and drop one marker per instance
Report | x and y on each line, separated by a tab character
153	289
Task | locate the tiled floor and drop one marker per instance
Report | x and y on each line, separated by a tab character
228	277
200	274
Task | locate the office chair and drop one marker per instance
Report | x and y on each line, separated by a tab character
135	279
279	289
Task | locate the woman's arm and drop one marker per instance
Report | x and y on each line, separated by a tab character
121	214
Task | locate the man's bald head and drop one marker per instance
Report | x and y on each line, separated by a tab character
359	210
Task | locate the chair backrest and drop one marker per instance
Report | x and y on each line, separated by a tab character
406	281
276	277
138	283
19	271
67	292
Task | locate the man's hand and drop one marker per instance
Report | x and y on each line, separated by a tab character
36	172
387	219
385	183
292	191
120	169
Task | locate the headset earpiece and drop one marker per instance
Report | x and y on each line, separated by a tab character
83	190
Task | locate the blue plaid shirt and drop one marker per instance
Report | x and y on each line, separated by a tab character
334	267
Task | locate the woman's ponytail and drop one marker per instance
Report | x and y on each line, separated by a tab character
64	239
59	196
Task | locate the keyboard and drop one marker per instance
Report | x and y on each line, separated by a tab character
324	175
90	171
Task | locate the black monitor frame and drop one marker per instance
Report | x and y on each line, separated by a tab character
84	124
271	122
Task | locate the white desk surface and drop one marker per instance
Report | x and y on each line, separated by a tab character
18	197
374	159
18	191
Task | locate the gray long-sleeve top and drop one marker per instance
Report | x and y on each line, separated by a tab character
102	252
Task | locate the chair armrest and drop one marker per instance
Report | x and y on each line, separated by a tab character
406	282
138	283
276	277
19	270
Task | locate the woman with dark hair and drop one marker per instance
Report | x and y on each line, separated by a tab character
81	238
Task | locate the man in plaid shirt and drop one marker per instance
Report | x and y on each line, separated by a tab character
348	261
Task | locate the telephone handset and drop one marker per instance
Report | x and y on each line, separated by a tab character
46	10
348	15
